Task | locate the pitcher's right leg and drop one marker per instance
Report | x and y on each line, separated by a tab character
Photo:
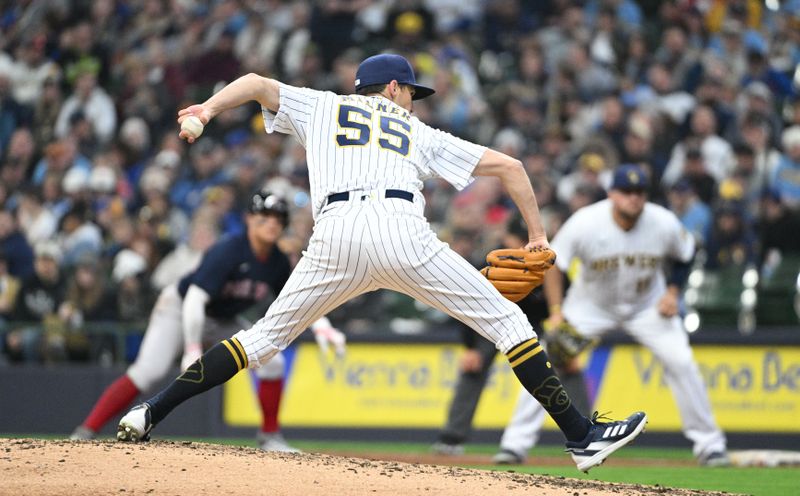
436	275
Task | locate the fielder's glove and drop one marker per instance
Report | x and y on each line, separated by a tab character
564	343
515	272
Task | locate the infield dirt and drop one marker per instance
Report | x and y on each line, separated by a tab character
56	467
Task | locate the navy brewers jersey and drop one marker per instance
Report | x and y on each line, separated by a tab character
235	278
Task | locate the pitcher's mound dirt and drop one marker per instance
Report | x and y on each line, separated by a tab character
38	467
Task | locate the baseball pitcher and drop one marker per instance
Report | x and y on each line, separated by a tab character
367	158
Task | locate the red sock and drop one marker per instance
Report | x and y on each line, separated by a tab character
118	396
269	395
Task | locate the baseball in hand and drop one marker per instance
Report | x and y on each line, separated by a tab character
193	126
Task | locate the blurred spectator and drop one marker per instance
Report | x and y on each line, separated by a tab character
133	145
87	300
409	24
38	303
17	161
91	100
760	70
748	181
756	101
613	123
186	256
696	172
12	114
504	22
59	157
43	292
732	241
591	174
634	60
778	227
637	145
785	180
9	287
207	158
144	95
333	27
81	132
608	37
718	93
82	54
215	65
160	222
37	222
628	12
584	195
157	178
79	237
28	69
660	99
133	297
458	109
756	134
45	112
16	249
256	45
593	80
693	213
728	46
153	20
677	56
120	227
299	54
716	152
54	198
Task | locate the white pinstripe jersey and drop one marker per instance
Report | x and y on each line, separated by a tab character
357	143
621	271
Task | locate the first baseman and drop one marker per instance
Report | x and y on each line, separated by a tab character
367	156
621	285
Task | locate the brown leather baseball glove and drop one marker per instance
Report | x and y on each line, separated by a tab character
564	342
515	272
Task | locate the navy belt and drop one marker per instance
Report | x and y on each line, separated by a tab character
390	193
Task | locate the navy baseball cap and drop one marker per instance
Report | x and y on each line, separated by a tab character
386	67
629	177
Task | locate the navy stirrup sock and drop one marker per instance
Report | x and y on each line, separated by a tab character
215	367
529	362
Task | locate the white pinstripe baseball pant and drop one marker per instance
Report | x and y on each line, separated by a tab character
366	244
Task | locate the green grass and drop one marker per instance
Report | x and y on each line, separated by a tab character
751	480
781	481
758	481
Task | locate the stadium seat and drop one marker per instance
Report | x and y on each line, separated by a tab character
777	293
716	296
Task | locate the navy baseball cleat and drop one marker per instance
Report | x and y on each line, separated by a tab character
136	425
605	438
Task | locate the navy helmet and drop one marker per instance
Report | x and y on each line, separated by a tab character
265	202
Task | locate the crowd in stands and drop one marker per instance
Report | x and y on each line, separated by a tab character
101	204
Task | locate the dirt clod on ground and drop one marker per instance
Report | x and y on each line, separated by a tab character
47	467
